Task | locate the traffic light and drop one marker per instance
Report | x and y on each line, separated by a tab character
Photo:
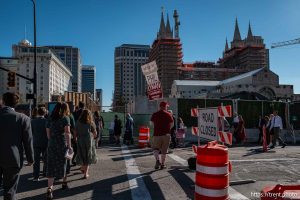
11	79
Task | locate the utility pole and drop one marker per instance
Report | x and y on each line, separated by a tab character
34	80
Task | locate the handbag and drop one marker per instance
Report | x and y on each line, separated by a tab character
180	133
69	154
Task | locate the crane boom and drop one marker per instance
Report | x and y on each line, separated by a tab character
286	43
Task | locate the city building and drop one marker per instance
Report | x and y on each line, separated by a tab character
71	57
242	56
261	81
201	70
129	78
247	54
192	88
166	50
89	80
53	75
99	98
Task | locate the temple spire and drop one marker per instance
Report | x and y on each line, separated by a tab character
162	28
249	36
237	35
226	45
168	28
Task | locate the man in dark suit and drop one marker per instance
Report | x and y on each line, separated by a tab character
40	142
77	113
15	135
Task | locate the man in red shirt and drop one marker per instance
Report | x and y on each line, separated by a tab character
163	122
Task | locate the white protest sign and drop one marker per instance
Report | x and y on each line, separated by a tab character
208	123
154	90
149	68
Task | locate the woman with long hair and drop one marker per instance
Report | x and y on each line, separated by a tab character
85	134
99	127
59	141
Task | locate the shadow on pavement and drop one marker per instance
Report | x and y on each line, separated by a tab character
102	189
257	151
185	182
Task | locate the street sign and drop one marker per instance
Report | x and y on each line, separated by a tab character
208	123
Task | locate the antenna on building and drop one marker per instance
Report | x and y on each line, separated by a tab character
177	23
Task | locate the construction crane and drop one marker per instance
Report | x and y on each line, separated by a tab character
285	43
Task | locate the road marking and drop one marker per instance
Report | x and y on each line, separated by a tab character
178	159
234	195
266	160
136	183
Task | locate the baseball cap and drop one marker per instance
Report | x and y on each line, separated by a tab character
164	104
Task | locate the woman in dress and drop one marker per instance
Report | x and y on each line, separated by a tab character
59	141
128	138
241	134
99	127
85	133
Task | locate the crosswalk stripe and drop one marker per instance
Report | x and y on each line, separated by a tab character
234	195
136	183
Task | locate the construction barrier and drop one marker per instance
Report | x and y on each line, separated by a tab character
281	192
144	137
212	172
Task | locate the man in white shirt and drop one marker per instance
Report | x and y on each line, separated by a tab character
276	125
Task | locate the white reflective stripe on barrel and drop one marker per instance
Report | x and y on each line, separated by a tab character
144	134
212	170
211	192
143	141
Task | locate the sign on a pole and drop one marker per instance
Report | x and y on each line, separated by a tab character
154	89
208	123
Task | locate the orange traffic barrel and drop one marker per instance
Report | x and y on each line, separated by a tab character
144	137
281	192
212	172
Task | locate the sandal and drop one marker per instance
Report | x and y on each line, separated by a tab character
64	186
49	194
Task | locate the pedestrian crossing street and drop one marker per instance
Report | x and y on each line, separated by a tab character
132	168
124	172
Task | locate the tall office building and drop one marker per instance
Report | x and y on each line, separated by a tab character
99	98
53	76
89	79
71	57
129	78
167	51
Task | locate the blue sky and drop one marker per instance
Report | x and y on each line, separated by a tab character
98	26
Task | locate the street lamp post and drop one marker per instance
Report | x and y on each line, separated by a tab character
34	80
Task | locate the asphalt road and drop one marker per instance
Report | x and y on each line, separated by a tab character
128	173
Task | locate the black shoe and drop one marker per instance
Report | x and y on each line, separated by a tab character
162	166
283	145
272	147
36	179
157	165
49	195
64	186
